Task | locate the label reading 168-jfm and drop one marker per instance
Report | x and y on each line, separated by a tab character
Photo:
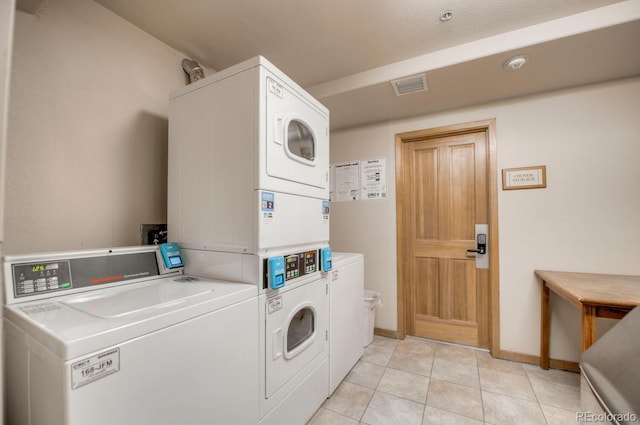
93	368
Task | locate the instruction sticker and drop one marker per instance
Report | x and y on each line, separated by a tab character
93	368
274	304
40	308
268	206
325	210
275	88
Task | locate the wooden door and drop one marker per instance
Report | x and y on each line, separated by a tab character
444	191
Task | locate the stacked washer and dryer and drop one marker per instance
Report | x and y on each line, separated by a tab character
248	201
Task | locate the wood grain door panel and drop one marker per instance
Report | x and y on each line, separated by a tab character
445	183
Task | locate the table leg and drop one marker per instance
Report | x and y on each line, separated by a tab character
545	327
588	326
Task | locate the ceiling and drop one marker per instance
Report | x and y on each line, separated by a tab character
345	52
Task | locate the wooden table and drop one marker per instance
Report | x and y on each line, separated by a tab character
596	295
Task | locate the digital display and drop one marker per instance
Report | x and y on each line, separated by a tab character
175	261
36	278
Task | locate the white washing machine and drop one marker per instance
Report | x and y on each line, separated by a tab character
248	162
346	289
101	338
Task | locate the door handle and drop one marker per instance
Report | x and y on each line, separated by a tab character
276	343
481	241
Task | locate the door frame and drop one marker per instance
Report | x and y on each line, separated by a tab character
489	128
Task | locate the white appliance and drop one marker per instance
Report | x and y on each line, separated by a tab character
346	288
248	162
609	380
294	336
248	201
100	337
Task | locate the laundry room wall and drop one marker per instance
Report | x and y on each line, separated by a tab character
7	13
585	220
88	129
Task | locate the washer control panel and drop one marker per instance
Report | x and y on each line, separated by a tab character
41	277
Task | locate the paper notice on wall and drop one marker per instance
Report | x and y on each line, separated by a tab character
356	180
346	181
373	179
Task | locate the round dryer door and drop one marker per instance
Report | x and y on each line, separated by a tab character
295	334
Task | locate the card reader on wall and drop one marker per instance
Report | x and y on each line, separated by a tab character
171	257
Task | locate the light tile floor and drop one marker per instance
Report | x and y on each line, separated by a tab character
422	382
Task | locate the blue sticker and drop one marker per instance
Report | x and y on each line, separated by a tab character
325	209
268	201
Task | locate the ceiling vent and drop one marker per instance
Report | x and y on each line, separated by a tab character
408	85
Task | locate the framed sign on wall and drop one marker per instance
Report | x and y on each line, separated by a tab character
524	177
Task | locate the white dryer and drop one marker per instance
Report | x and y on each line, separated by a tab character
294	335
99	337
248	162
346	291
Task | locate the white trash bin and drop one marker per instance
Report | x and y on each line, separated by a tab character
371	301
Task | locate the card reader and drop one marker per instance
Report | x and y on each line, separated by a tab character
171	257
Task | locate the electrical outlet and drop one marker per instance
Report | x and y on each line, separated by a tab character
153	234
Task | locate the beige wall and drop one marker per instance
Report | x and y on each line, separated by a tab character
87	144
585	220
7	13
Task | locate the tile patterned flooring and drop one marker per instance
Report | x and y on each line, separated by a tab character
422	382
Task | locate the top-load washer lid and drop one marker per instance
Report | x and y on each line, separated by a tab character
341	259
162	295
74	325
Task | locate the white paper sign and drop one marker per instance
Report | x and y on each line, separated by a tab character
356	180
373	178
524	178
347	181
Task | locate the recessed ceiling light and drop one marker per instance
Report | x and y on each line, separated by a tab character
515	63
447	15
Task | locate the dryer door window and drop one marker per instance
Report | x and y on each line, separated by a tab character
300	140
300	331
